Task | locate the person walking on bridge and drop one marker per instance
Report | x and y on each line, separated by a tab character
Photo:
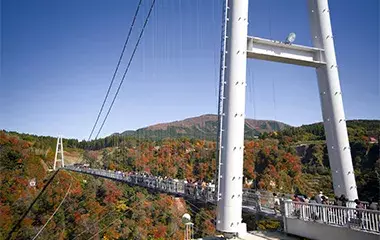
276	207
318	198
372	205
359	214
343	200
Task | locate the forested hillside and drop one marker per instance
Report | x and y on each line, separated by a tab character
264	158
293	160
92	205
309	142
191	159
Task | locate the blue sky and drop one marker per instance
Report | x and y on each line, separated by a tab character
57	59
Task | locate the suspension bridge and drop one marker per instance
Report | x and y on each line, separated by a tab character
314	221
350	221
253	203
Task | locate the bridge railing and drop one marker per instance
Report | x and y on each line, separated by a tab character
252	199
173	186
359	219
258	200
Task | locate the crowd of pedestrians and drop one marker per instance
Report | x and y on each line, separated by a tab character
197	188
320	198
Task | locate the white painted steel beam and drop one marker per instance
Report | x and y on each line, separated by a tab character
331	101
276	51
229	217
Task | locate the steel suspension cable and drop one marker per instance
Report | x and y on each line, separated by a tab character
99	220
96	214
105	228
107	214
56	210
117	68
199	209
251	90
273	81
254	96
274	99
17	225
128	66
270	20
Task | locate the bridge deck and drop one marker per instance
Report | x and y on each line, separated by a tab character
181	188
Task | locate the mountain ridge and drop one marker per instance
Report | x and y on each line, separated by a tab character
203	126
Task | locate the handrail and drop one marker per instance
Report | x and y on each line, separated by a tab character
354	218
335	206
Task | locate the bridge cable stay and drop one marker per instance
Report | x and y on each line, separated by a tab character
250	94
137	148
216	59
104	207
105	228
116	69
78	203
193	205
103	217
254	96
270	20
274	103
17	225
56	210
251	83
216	76
181	38
251	90
71	206
127	68
93	225
272	78
194	213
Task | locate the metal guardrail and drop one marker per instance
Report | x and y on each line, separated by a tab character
173	186
354	218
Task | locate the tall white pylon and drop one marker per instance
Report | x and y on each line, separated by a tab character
331	101
229	218
59	152
238	48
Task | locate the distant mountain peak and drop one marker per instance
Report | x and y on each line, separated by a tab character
203	126
187	122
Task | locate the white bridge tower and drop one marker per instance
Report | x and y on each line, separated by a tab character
237	46
59	154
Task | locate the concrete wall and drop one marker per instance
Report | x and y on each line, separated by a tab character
313	230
